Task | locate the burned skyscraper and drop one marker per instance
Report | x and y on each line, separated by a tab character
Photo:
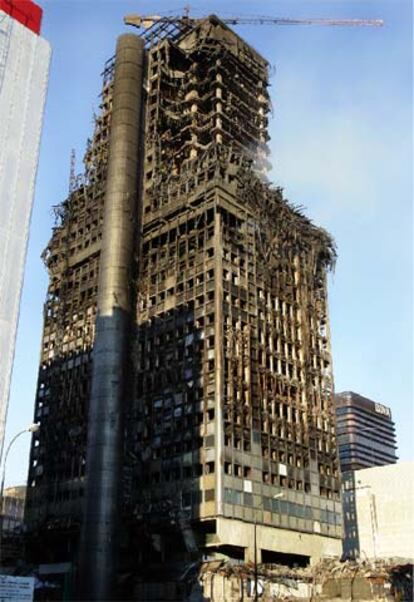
220	424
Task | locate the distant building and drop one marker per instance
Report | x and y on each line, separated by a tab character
24	67
365	431
12	516
378	512
12	508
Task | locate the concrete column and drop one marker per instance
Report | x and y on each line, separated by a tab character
99	545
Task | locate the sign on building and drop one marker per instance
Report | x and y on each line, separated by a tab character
380	409
16	589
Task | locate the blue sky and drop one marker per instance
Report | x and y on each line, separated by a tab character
341	146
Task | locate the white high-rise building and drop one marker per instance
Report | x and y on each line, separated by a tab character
24	69
378	512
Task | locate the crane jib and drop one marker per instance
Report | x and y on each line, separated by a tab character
147	21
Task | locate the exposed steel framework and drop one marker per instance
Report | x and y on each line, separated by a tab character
227	384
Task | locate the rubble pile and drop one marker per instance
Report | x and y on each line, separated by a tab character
330	580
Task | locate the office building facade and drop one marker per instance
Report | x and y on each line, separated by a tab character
378	521
366	432
24	67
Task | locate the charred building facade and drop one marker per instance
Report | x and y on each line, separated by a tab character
227	399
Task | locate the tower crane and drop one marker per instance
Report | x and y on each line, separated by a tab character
146	22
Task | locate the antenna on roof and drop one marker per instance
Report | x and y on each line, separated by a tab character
72	173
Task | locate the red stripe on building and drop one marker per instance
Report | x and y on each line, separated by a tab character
24	11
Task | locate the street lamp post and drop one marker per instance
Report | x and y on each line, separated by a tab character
275	497
32	428
255	556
